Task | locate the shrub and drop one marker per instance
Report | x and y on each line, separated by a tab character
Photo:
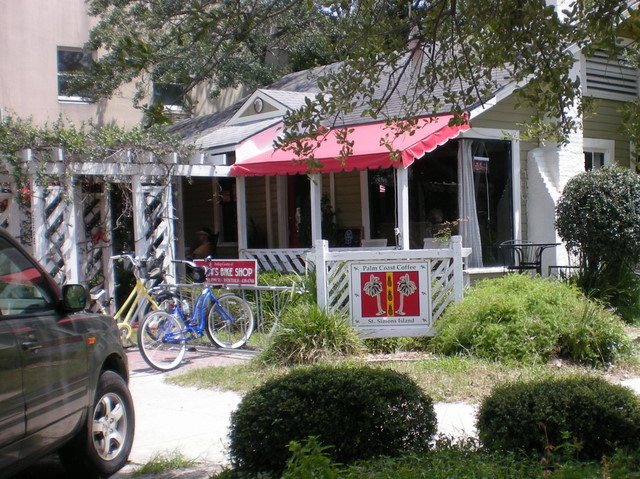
307	334
359	411
524	319
598	216
594	415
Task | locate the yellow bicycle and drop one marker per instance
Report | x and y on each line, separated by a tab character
139	301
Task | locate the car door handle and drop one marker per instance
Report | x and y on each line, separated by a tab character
31	345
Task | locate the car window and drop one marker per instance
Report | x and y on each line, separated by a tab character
23	289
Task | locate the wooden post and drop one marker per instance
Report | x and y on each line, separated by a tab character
139	221
316	209
321	249
241	197
402	204
72	219
458	280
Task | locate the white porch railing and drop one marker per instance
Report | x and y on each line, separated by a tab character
292	260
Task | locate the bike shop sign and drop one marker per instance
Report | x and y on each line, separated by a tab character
231	271
390	298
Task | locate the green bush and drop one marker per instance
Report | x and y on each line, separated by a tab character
587	412
598	216
524	319
359	411
307	334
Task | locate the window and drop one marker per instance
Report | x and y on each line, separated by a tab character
169	95
611	78
23	289
71	63
597	153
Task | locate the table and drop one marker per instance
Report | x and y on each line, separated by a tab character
520	255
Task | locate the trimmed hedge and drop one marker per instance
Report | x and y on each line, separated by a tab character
361	412
522	319
529	416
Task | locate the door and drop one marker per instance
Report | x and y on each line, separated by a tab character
12	422
299	211
52	348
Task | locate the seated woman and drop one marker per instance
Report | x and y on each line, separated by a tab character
205	247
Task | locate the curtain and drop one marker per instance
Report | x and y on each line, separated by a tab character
469	228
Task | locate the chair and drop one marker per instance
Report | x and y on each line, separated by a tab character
522	255
374	242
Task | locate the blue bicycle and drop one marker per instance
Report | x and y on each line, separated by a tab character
227	320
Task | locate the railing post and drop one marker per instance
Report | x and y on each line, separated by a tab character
321	250
458	280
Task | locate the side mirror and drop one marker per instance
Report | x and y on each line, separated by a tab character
74	297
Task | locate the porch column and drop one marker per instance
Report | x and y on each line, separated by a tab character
364	203
72	238
241	198
139	223
316	209
283	209
268	210
402	205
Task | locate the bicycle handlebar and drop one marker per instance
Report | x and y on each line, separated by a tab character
185	261
133	259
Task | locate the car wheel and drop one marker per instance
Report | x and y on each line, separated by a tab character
103	445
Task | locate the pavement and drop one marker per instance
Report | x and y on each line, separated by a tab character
194	422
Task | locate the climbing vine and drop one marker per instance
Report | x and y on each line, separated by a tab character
84	143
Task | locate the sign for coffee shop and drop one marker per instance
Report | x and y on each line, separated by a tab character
390	295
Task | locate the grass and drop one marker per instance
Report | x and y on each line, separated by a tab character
449	379
460	460
164	462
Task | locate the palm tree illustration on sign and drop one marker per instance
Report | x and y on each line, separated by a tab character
372	288
405	287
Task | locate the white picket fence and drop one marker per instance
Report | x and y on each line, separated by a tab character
350	282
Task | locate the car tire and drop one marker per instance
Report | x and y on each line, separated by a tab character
102	446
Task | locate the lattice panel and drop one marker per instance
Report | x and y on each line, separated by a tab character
97	232
282	260
442	274
55	209
14	217
159	222
6	208
338	286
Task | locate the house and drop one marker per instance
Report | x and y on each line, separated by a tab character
495	185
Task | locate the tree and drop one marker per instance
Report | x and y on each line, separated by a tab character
598	216
187	42
401	58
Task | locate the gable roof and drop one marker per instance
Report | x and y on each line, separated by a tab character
222	130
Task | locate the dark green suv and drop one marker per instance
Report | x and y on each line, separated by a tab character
63	374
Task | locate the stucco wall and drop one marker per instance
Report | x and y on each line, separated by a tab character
30	33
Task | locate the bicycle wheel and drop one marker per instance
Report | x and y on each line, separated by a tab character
161	340
230	322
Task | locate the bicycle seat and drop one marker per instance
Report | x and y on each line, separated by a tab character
199	274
